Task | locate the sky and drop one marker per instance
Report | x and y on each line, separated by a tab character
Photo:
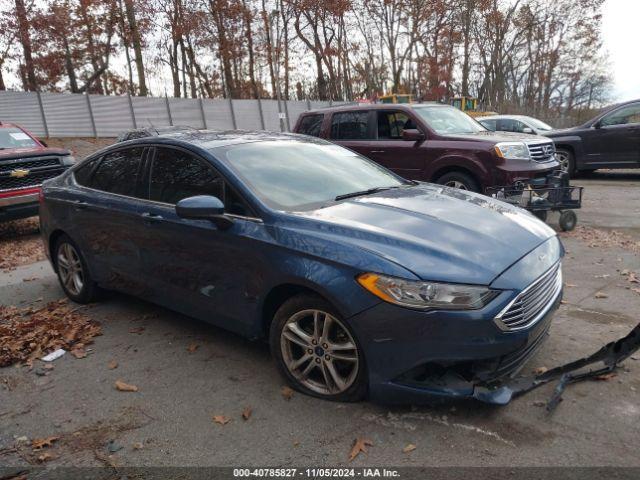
620	28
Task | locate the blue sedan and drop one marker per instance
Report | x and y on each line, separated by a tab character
362	282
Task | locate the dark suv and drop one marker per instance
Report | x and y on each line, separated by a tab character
25	163
433	143
611	140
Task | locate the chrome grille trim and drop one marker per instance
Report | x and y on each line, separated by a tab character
533	302
542	152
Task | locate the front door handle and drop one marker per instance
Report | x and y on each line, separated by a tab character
151	217
377	151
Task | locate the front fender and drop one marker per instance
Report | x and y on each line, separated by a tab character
574	143
470	162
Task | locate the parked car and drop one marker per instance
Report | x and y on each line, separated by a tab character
25	162
515	123
610	140
362	281
433	143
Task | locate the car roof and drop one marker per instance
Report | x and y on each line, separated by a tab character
501	117
9	125
208	139
376	106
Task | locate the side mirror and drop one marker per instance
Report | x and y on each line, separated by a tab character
527	130
412	135
204	207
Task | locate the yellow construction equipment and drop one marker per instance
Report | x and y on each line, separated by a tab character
469	105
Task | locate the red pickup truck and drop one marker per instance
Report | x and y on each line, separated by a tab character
433	143
25	163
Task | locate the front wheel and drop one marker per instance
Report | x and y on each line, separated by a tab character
73	273
460	180
316	351
566	160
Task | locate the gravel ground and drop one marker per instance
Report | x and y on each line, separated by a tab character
187	372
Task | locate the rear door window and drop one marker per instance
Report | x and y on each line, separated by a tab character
118	172
311	125
510	125
350	126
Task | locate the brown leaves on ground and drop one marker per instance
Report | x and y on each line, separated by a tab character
601	295
45	457
20	243
246	413
596	238
125	387
40	443
410	447
359	445
137	330
221	419
287	393
540	370
192	348
30	333
79	352
112	365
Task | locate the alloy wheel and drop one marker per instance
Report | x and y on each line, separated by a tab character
319	352
70	268
456	184
563	160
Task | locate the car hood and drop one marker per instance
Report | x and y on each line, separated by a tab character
497	137
436	232
9	153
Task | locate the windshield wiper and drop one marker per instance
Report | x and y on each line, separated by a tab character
363	192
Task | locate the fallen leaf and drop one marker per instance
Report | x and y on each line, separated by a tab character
287	393
112	365
637	290
40	443
606	377
79	352
46	456
539	403
570	285
48	366
125	387
633	278
137	330
192	348
246	413
540	370
138	446
601	295
409	448
359	445
221	419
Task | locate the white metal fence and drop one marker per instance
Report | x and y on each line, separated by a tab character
76	115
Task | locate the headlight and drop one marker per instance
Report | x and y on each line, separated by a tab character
513	151
68	160
426	295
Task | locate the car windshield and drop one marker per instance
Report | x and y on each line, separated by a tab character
15	138
538	125
448	120
291	175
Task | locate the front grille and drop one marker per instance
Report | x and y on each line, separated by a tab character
542	152
38	162
34	179
533	302
39	169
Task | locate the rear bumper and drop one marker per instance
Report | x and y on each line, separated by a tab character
15	205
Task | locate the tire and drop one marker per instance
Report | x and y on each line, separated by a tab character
460	180
293	336
75	278
568	220
541	214
567	161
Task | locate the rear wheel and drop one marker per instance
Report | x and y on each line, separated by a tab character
73	273
568	220
316	351
460	180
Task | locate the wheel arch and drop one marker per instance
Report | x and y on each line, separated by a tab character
53	239
456	169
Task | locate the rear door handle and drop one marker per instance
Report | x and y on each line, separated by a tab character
151	217
377	151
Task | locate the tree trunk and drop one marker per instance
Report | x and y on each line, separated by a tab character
137	47
267	30
252	74
31	83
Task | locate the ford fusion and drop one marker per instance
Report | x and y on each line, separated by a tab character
362	282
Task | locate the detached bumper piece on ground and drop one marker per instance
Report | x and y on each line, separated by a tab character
609	358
